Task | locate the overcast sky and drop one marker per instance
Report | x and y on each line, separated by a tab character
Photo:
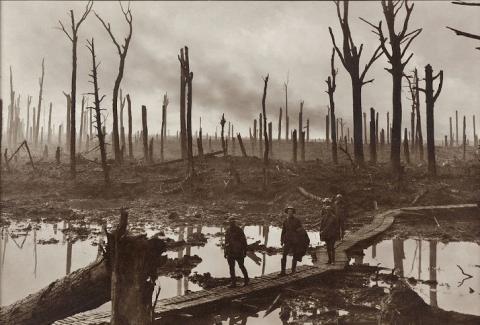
232	45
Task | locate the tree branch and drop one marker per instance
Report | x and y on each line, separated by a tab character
437	93
464	34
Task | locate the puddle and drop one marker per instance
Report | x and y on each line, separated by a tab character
27	266
432	260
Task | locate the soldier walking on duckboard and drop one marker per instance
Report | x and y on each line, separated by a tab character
235	251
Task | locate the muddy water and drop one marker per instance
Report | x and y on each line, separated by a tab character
27	266
432	260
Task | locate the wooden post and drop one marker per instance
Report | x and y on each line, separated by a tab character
373	147
242	147
294	146
145	133
446	142
406	150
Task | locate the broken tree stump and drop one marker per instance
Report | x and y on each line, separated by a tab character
242	147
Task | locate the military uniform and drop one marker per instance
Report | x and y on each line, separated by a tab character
235	251
330	232
342	214
290	241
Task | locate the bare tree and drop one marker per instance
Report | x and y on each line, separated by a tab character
399	44
130	143
331	86
265	134
350	58
122	129
183	127
122	52
188	76
73	37
39	107
98	112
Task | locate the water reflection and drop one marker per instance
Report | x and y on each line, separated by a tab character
445	290
42	264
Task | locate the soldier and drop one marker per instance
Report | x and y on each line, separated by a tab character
57	155
342	213
329	231
235	251
288	239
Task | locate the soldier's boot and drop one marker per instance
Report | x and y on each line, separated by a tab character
283	264
233	283
333	255
294	265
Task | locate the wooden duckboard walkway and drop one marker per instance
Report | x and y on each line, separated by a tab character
206	298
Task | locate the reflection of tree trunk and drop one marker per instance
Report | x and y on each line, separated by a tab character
264	263
398	255
266	230
374	250
433	273
419	259
69	257
34	252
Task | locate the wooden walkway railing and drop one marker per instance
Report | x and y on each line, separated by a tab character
207	298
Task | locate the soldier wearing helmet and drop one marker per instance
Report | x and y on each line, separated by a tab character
235	251
289	238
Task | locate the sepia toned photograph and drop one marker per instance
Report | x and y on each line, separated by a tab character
239	162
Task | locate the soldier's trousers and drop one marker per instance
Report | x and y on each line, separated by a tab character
231	264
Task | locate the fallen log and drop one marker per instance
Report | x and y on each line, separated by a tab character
82	290
206	155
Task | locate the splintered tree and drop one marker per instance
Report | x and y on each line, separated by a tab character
183	127
73	37
122	129
130	143
164	126
430	99
331	86
122	52
287	119
265	134
415	97
186	84
98	111
222	135
399	44
350	57
40	97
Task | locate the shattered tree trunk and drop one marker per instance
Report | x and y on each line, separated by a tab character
331	87
365	128
451	132
430	99
122	128
270	138
373	142
302	146
183	127
475	138
294	146
98	114
242	147
406	150
222	135
39	107
327	128
456	128
280	125
464	138
130	143
134	271
265	134
80	136
145	134
49	137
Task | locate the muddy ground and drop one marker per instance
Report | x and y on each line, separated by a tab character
159	196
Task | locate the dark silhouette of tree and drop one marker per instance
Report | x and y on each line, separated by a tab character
331	85
399	44
122	52
350	58
73	37
98	111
